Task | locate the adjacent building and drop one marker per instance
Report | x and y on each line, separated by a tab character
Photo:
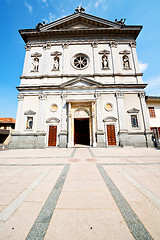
81	84
153	105
7	126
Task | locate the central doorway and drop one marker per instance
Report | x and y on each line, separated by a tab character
81	131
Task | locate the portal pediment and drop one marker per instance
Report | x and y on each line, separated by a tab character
80	83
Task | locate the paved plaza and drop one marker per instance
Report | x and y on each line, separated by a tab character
80	194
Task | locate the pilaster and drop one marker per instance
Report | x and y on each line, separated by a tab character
94	125
100	132
63	132
19	112
42	112
121	112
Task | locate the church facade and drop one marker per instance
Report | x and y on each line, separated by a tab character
81	84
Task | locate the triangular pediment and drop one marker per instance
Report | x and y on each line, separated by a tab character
133	110
80	82
79	21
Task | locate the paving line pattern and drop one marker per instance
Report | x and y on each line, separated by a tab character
39	228
151	197
134	224
9	210
72	155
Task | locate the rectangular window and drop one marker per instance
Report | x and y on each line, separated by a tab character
134	121
151	112
29	123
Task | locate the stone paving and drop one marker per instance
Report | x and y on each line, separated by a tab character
80	194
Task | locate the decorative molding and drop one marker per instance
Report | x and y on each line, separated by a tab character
65	45
133	110
110	119
104	52
42	96
28	47
29	112
36	54
119	94
56	53
46	46
52	120
133	44
20	97
125	52
113	44
94	44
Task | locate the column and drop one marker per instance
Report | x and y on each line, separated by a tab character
94	125
42	112
115	58
147	131
19	112
121	112
135	59
144	110
63	132
100	132
69	126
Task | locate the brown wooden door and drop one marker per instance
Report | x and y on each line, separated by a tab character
52	136
111	135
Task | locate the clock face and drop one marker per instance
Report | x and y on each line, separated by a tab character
53	108
108	107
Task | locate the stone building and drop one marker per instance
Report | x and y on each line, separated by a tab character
81	84
153	105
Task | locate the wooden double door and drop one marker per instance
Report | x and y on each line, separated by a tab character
111	137
52	139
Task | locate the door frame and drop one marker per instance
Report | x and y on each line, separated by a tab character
47	135
106	136
90	137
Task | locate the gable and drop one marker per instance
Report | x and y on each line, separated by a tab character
79	20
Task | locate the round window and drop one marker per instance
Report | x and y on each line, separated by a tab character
53	108
108	107
80	61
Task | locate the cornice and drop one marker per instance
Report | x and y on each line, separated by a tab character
103	86
130	32
85	75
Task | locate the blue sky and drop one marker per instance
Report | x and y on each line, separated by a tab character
22	14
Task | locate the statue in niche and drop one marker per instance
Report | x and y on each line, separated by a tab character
104	61
35	64
56	63
126	64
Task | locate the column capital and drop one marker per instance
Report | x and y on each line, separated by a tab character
94	44
64	95
97	95
119	95
46	46
113	44
28	47
42	96
142	94
65	45
20	97
133	44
